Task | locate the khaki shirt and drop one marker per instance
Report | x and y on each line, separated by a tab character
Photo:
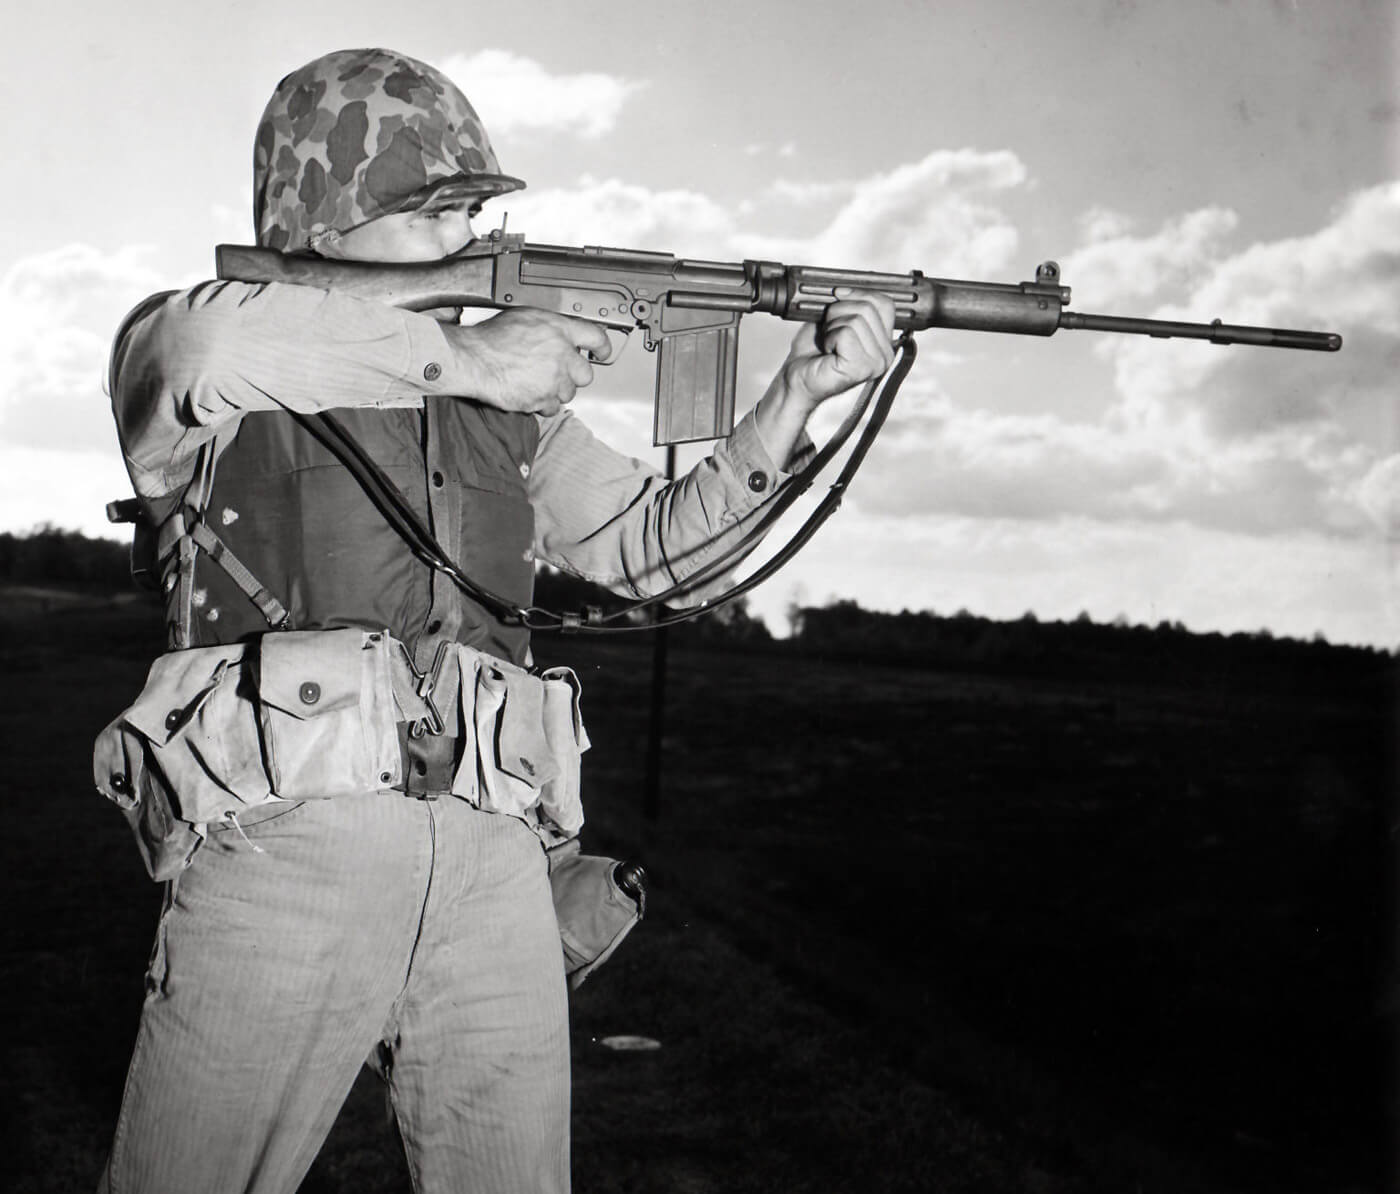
188	369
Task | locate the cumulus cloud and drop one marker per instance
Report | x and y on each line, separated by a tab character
1115	266
60	310
514	94
1296	430
1377	494
811	191
937	214
1104	223
980	463
612	212
1344	277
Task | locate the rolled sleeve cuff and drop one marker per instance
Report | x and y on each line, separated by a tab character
429	365
747	457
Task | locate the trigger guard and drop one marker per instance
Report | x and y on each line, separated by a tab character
616	345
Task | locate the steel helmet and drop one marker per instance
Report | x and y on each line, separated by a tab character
359	134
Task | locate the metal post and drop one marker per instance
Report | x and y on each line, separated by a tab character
651	789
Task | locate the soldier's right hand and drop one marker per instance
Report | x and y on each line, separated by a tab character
526	360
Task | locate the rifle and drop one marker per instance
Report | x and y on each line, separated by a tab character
689	311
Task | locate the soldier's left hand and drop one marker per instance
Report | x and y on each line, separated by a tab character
851	344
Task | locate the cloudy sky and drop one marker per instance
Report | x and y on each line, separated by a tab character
1192	159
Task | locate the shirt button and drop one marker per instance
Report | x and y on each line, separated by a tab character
757	481
420	767
435	625
310	692
524	470
438	480
432	371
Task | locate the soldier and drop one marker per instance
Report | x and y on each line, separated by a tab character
353	869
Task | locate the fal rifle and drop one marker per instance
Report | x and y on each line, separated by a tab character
689	311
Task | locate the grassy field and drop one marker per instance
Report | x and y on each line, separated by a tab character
909	930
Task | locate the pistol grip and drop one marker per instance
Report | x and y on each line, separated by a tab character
695	376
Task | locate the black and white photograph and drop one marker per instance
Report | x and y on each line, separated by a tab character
701	598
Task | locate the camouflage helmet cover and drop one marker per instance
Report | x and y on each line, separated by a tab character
359	134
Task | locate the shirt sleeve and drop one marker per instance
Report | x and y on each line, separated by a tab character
618	522
189	364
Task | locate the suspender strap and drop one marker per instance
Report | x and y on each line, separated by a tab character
185	530
271	609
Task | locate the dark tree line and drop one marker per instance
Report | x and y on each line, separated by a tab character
49	556
1080	647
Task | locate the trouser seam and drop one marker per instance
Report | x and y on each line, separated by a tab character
427	896
160	959
124	1114
410	1159
397	1004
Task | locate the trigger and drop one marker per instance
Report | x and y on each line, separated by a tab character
616	346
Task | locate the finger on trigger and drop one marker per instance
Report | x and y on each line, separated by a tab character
593	339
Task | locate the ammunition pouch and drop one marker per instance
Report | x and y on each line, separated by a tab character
303	715
218	730
522	740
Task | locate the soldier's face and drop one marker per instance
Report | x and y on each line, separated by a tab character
424	235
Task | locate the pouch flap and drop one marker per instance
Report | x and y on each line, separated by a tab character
125	776
307	672
117	764
523	748
563	716
177	684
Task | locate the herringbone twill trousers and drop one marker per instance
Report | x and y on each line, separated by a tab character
420	932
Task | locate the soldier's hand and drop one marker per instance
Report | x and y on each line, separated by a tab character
528	361
851	344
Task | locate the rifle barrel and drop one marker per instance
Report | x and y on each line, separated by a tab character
1216	332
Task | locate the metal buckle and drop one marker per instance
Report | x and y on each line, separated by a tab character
426	682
